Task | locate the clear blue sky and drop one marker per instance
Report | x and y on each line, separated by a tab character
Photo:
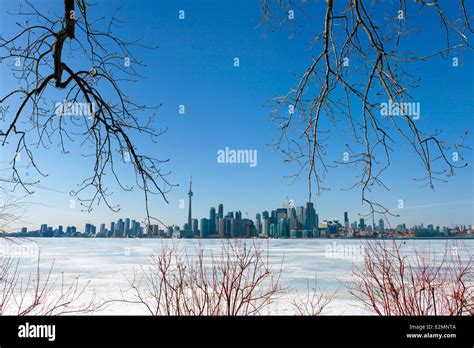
229	107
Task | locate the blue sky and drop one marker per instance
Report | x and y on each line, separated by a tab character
229	107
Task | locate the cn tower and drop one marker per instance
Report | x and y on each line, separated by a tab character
190	194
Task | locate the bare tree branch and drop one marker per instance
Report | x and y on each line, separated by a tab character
86	81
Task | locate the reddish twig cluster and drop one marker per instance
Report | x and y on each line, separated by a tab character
39	293
314	301
391	283
238	281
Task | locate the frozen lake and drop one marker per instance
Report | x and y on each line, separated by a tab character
109	263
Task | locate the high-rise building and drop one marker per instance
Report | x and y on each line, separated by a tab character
212	221
133	228
301	217
43	229
311	217
89	228
346	220
381	226
241	228
293	223
249	228
292	212
258	223
228	225
281	213
119	229
265	227
221	227
233	228
292	218
127	226
137	230
220	211
362	224
273	217
272	230
195	228
238	215
205	227
282	228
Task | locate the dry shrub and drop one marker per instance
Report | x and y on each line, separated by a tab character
238	281
390	283
39	293
314	301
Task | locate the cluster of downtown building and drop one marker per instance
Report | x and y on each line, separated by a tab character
301	222
286	222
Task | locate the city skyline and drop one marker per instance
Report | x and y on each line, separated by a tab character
283	222
391	221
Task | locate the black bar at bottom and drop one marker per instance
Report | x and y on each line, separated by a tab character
222	331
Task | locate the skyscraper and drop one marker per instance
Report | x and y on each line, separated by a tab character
301	216
112	229
221	227
273	217
119	227
265	227
133	228
281	213
195	227
127	226
205	223
212	221
43	228
381	226
272	230
310	216
136	228
220	212
190	194
283	228
258	223
346	220
89	228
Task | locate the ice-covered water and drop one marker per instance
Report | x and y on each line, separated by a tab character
109	263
